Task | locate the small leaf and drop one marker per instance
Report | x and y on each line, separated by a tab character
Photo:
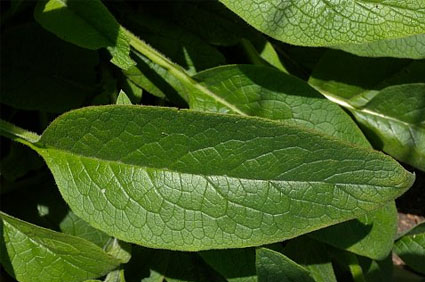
123	99
274	266
327	23
411	248
59	257
119	250
371	235
250	181
411	47
86	24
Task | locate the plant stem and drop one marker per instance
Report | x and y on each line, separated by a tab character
17	133
177	71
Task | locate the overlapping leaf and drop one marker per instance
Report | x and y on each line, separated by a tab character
32	253
411	248
86	24
335	22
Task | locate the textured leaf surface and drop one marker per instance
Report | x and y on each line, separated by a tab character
371	235
268	93
313	256
412	47
377	270
191	181
326	23
273	266
32	253
51	75
87	24
411	248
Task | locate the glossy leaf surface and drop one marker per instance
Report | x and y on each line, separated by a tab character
59	257
326	23
191	181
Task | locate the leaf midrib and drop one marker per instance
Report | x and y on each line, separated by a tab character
146	168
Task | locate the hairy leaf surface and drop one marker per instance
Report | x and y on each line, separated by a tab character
32	253
190	181
332	22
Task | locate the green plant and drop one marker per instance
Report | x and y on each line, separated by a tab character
269	170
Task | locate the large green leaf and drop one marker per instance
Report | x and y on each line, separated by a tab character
187	180
268	93
412	47
371	235
332	22
32	253
43	72
87	24
273	266
411	248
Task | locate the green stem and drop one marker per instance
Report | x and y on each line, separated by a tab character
177	71
18	134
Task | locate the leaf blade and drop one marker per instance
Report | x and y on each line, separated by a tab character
151	187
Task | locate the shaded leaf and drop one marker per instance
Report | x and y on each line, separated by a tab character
236	265
73	225
371	235
52	75
313	256
411	248
86	24
274	266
